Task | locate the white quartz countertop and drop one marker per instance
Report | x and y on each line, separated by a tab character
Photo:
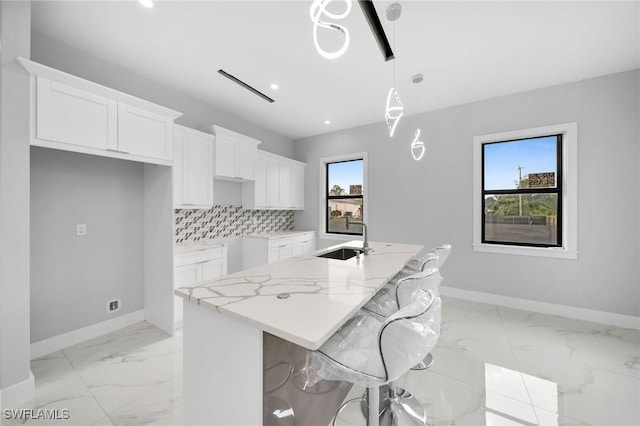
196	246
323	293
280	234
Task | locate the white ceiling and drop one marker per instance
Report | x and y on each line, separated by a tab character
467	51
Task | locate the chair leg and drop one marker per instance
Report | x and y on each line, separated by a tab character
277	412
305	379
404	409
374	398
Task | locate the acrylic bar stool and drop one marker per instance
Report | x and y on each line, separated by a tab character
371	353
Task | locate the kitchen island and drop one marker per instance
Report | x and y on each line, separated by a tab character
302	300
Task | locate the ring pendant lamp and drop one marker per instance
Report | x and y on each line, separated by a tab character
317	11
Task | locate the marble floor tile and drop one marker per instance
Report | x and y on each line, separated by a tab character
160	406
492	366
447	401
92	350
479	363
576	391
463	319
61	397
621	344
122	376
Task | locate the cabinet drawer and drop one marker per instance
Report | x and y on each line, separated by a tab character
198	256
302	238
279	242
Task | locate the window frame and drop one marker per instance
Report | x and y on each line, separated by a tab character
567	188
324	197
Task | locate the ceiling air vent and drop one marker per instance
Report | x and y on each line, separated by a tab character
245	85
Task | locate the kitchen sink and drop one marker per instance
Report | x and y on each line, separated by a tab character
341	254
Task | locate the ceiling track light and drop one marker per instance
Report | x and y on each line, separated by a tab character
245	85
373	20
146	3
318	10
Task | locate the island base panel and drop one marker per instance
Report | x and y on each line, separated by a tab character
222	369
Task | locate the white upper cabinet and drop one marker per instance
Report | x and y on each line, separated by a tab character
234	155
144	133
69	115
73	114
279	184
192	168
297	186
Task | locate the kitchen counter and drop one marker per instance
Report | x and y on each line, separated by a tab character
224	321
196	246
280	234
322	293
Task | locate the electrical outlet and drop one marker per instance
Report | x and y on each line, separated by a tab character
81	230
113	305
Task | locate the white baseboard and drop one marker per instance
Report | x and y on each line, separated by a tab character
60	341
620	320
14	395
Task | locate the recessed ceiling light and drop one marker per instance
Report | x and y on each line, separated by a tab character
146	3
327	122
274	86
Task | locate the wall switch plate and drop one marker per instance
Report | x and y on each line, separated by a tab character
81	230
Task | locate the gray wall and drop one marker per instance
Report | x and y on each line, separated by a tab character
196	113
15	27
430	202
72	277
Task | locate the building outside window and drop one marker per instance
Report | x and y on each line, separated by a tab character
344	192
525	192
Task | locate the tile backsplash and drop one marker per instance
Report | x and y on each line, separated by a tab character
228	221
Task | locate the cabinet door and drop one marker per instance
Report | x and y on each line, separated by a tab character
285	185
177	169
260	186
296	249
273	255
273	184
225	155
286	252
307	247
143	133
198	169
183	276
297	187
69	115
246	160
211	270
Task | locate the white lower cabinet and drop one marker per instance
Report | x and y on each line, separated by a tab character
258	250
192	268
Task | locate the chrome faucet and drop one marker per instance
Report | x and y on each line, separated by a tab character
365	244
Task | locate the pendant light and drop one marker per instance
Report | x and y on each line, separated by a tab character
418	148
394	109
319	9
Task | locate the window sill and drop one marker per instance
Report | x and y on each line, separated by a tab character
554	252
338	237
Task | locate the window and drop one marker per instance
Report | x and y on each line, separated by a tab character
343	185
526	210
524	201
